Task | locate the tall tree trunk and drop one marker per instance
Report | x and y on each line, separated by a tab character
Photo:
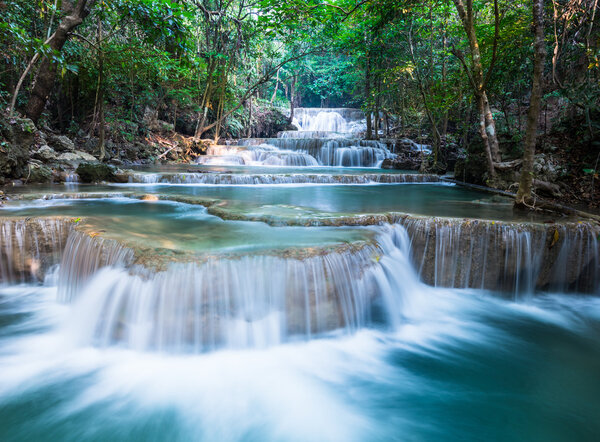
102	134
276	87
478	79
524	195
249	130
484	136
368	110
76	12
293	96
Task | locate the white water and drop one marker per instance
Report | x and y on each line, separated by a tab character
242	179
247	302
324	138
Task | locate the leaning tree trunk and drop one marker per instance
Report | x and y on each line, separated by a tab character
478	79
524	195
75	11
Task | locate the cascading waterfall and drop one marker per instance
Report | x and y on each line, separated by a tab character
83	256
505	257
239	302
329	120
337	152
263	300
360	323
296	178
326	137
29	247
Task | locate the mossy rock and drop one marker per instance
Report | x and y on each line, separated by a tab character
95	172
39	174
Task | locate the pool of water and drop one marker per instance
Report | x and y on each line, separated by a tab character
180	226
423	199
307	200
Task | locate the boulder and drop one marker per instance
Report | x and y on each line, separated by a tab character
16	137
95	172
122	176
38	173
61	143
402	162
76	157
46	154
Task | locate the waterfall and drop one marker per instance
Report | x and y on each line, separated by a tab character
517	259
326	137
338	152
261	300
29	247
83	256
248	301
329	120
248	179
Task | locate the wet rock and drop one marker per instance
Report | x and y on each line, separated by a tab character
46	154
402	162
95	172
122	176
38	173
61	143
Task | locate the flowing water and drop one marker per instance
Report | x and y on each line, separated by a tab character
194	303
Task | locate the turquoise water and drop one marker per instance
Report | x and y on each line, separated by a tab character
179	226
431	199
463	367
429	364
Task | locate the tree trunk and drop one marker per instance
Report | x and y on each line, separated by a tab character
484	136
249	132
368	110
276	87
477	78
75	12
524	196
293	96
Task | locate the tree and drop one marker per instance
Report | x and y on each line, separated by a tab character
74	14
524	196
478	80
